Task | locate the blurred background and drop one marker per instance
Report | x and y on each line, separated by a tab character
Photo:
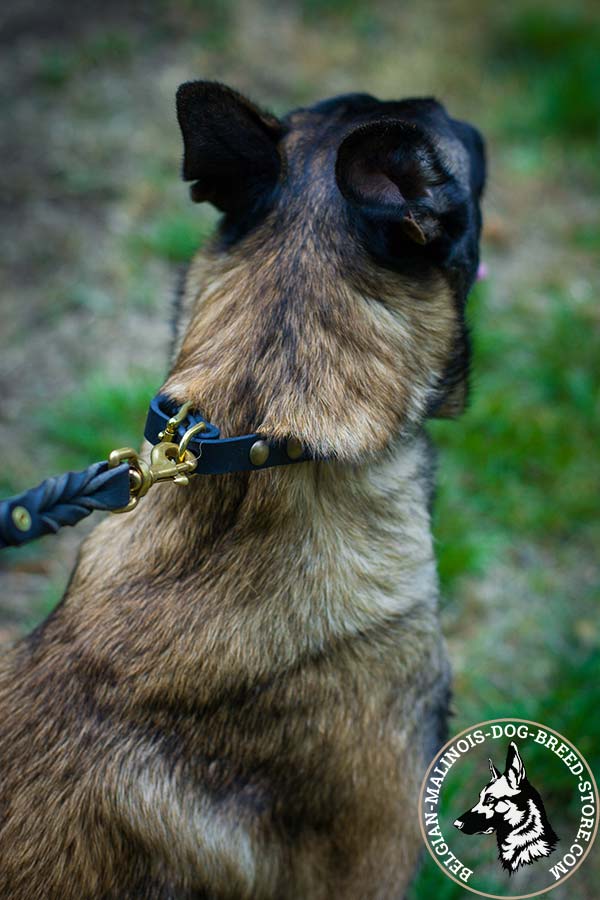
96	226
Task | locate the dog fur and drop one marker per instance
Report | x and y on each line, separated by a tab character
242	687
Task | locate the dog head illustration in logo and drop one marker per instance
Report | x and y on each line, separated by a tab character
511	806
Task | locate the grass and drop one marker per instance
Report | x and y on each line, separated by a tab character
587	237
83	427
60	65
47	600
521	468
522	463
340	9
104	414
553	51
174	238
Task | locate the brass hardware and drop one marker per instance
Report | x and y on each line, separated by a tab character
174	422
169	461
139	475
166	462
259	453
21	518
183	443
294	448
135	480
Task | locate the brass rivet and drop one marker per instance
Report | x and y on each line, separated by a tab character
21	518
259	453
294	448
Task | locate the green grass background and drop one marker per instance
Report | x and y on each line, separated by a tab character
516	516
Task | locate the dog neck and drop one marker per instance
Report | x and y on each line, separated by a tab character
253	571
250	573
341	357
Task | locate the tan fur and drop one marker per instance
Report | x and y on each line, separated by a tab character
239	694
370	345
323	650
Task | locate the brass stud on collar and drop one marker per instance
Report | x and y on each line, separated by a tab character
21	518
259	453
294	448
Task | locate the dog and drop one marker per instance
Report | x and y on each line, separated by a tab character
241	689
511	807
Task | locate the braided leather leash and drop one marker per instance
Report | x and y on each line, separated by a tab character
63	500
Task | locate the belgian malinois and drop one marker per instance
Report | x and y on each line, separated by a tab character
511	807
243	685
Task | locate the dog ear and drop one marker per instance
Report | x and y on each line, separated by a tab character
230	145
390	170
494	771
515	770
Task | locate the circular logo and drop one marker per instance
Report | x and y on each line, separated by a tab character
509	809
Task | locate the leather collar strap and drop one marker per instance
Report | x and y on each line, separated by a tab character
217	455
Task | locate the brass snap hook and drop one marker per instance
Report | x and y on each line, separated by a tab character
169	461
140	478
174	422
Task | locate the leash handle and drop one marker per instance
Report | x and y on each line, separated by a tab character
62	500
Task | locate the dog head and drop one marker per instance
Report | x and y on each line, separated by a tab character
347	247
503	802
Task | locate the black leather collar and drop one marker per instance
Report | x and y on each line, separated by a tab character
217	455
